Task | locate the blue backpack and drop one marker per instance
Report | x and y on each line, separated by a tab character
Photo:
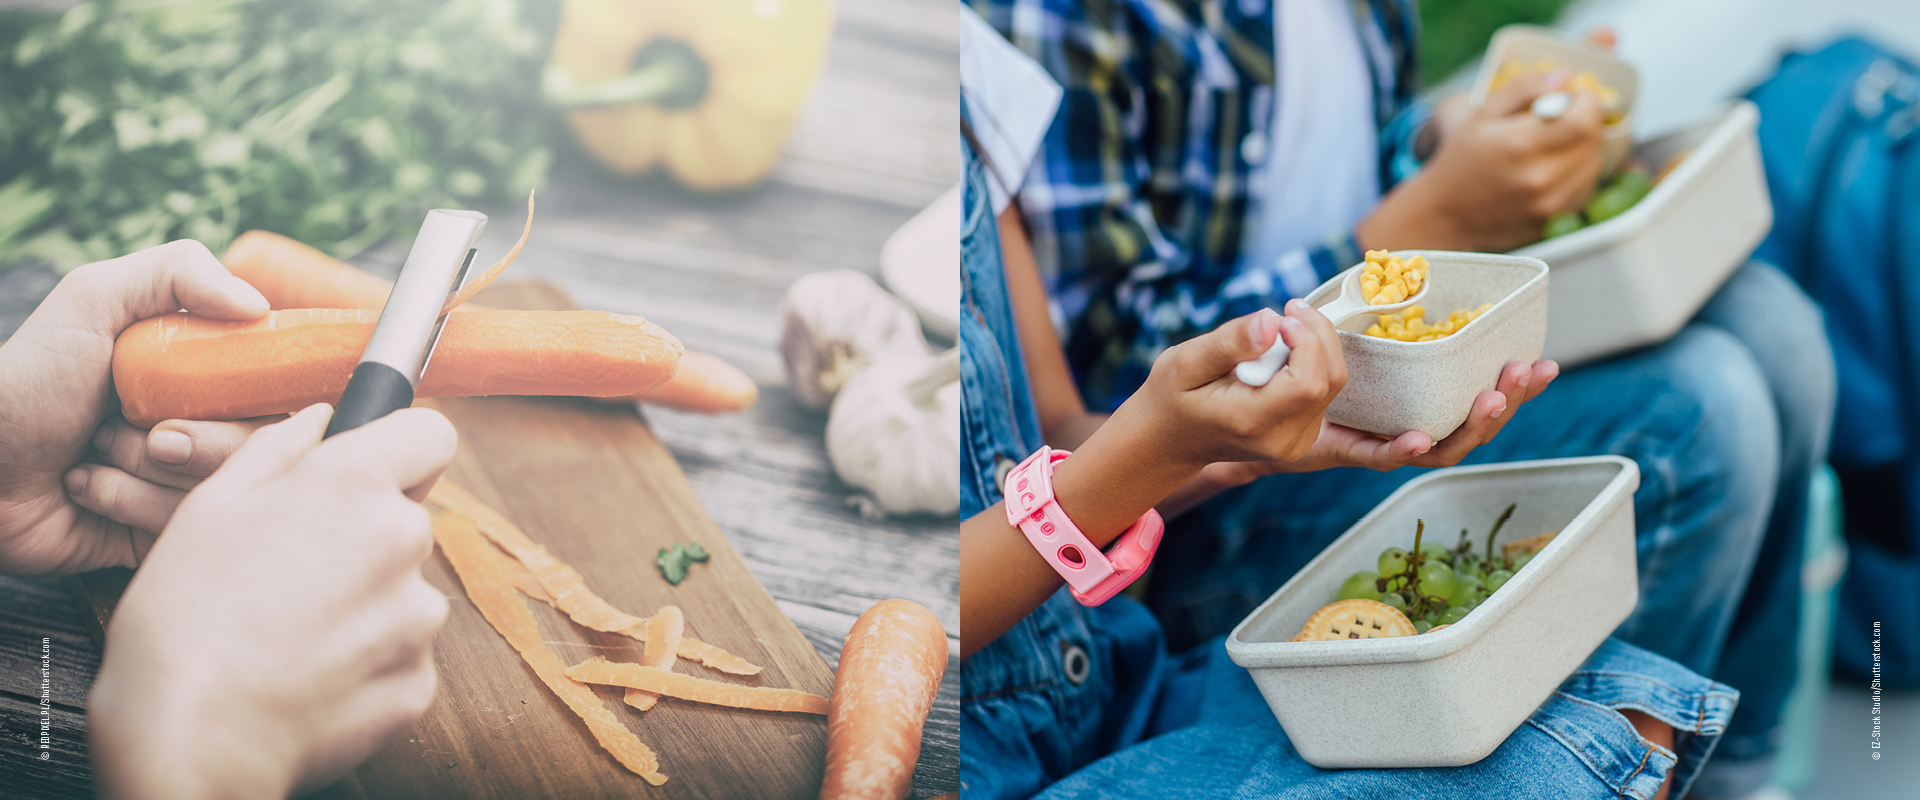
1838	133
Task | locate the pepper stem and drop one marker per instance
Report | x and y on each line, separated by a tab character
666	72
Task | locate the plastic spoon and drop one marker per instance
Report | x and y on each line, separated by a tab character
1348	305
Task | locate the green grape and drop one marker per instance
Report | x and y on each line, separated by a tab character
1522	561
1453	615
1436	580
1436	552
1421	626
1394	599
1563	224
1635	182
1609	202
1360	585
1465	587
1393	561
1497	579
1473	602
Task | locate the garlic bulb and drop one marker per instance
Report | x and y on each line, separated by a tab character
895	432
834	324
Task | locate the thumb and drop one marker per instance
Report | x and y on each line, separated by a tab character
1205	358
273	450
1518	94
111	295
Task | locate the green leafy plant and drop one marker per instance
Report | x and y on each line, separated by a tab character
128	123
676	558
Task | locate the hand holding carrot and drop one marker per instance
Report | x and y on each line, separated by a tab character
55	391
280	630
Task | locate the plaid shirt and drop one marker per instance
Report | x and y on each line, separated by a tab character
1139	200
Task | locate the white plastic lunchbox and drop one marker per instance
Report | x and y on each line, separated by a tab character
1450	697
1636	279
1394	386
1529	44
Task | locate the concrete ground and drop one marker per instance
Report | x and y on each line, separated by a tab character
1692	55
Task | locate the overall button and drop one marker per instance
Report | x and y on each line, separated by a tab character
1076	662
1001	467
1253	148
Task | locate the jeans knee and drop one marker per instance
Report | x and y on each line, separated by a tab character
1785	331
1732	451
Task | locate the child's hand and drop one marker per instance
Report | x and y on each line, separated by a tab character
280	630
1201	413
1496	176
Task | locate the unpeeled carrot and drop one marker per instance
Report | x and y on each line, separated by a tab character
178	366
889	672
292	275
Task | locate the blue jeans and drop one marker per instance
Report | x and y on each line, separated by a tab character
1084	702
1727	421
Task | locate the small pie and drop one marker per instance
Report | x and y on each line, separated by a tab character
1527	546
1355	619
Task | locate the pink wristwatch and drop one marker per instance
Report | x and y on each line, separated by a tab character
1091	575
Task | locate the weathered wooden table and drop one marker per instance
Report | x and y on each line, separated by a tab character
878	141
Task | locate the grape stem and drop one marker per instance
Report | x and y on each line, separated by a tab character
1497	524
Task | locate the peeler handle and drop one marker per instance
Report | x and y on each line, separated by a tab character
374	391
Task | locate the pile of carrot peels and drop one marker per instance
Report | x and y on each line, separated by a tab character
497	563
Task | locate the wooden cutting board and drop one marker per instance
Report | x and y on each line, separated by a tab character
591	483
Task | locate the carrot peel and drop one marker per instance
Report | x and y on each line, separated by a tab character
478	282
699	690
491	592
567	590
664	630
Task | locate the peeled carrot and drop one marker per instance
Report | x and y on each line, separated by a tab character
179	366
889	672
704	384
292	275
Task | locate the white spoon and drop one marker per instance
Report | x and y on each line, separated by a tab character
1346	306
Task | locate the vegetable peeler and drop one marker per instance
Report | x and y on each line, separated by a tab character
396	356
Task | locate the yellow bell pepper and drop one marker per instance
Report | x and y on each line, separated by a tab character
706	89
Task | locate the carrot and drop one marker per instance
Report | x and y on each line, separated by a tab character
699	690
704	384
179	366
663	638
566	590
889	672
491	592
292	275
